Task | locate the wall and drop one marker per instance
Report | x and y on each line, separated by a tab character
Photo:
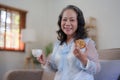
105	11
35	19
43	14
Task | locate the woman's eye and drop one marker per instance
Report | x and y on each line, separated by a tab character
72	20
64	19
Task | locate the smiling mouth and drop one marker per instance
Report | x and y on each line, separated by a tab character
68	29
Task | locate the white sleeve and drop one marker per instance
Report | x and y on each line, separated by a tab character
93	65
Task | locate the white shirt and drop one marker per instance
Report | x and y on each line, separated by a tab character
68	67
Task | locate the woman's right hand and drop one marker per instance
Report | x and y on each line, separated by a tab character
42	59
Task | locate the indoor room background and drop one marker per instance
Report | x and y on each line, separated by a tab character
42	16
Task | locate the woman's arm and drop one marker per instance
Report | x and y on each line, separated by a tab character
89	59
49	63
93	57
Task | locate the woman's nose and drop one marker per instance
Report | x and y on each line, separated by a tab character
68	22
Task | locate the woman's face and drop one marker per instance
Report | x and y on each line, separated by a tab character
69	22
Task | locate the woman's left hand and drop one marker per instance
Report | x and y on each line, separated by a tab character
81	56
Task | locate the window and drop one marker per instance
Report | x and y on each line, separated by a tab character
12	20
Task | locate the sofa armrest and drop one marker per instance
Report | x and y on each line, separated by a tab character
110	70
48	75
23	74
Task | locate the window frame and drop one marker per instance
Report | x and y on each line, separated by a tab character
22	25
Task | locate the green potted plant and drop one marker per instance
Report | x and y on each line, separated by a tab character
48	49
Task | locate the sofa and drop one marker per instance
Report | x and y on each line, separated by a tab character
28	74
110	69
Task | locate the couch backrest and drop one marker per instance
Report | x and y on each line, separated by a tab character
109	54
23	74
